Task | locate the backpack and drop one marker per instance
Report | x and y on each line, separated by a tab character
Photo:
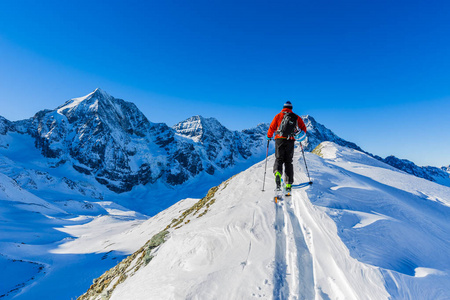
288	125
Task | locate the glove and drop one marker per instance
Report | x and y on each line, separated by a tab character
268	138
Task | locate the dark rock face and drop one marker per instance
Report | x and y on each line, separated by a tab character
5	126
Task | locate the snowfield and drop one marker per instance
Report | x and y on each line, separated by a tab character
363	230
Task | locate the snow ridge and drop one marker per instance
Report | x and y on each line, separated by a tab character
361	231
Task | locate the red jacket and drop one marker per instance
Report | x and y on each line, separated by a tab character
277	121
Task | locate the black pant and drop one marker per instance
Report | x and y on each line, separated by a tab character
284	153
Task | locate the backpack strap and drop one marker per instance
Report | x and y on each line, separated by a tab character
281	120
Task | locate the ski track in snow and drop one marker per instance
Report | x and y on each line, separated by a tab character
301	260
281	289
294	274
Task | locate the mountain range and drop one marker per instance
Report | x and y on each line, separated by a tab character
112	141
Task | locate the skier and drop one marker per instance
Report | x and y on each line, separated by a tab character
285	125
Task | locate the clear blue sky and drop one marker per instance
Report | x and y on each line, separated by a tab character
375	72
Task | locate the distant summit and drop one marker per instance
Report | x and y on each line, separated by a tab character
317	133
89	99
99	108
200	129
439	175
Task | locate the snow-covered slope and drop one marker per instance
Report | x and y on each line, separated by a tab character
50	249
363	230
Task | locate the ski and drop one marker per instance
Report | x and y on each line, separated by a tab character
278	195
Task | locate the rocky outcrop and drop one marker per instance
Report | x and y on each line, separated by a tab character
4	125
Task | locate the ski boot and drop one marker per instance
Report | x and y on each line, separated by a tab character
278	190
288	189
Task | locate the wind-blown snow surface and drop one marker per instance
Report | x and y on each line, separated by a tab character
53	250
363	230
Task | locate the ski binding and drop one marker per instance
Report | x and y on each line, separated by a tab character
278	195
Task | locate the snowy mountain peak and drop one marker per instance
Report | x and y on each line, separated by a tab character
99	109
202	122
87	103
200	128
318	133
100	92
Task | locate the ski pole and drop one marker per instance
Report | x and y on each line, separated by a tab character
303	152
265	168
